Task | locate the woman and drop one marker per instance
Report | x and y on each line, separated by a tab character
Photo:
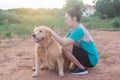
78	44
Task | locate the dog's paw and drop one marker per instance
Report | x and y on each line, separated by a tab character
34	75
61	75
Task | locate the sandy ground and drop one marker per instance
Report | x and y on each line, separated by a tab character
17	59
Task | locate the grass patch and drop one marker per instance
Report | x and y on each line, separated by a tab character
104	56
29	22
5	46
94	22
15	29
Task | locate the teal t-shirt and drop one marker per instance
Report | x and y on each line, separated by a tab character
84	40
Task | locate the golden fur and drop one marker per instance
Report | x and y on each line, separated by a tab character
48	52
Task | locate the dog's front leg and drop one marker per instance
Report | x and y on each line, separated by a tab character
60	63
37	68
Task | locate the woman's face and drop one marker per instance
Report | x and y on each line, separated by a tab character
68	20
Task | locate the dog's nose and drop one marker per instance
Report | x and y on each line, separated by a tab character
34	36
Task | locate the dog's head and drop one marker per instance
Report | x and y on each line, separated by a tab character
41	33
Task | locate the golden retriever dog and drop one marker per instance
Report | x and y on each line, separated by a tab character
48	52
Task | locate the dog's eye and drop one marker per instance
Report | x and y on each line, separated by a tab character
40	31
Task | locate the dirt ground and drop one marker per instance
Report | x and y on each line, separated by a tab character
17	59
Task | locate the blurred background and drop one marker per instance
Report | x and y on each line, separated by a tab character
19	17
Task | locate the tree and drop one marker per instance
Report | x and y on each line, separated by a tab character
72	3
108	8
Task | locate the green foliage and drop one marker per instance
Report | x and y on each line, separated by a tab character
72	3
7	17
116	22
22	21
95	22
15	22
108	8
8	34
39	11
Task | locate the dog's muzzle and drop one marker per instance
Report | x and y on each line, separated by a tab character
34	35
37	40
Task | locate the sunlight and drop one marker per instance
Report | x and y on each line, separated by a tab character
88	2
8	4
52	3
45	3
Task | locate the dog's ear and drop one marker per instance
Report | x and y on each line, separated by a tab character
48	33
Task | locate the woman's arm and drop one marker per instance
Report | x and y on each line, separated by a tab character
63	41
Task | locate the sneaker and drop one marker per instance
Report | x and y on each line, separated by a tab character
78	71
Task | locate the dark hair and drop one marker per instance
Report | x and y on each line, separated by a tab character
75	12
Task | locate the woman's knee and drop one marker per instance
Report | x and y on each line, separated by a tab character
67	49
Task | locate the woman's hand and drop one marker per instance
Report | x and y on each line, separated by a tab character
63	41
